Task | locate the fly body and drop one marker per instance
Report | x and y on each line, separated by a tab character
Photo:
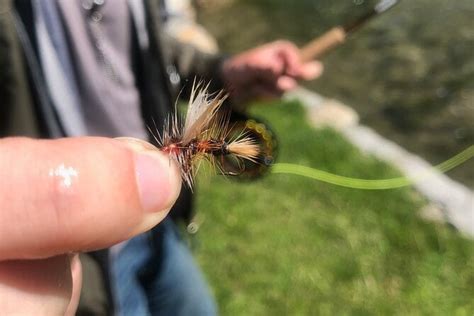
205	135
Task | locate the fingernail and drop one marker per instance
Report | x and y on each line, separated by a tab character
158	179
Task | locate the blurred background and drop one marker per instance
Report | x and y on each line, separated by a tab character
287	245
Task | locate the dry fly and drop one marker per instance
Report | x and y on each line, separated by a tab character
204	135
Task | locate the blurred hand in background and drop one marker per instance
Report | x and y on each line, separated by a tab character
267	71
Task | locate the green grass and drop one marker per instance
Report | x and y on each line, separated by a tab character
288	245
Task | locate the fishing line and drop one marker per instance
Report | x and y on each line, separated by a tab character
368	184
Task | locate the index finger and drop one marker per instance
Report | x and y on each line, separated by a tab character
290	57
294	65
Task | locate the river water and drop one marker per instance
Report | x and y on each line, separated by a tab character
409	73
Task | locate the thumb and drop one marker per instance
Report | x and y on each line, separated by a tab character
75	194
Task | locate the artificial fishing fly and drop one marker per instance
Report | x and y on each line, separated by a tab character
205	135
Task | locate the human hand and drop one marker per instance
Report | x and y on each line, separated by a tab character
59	197
267	71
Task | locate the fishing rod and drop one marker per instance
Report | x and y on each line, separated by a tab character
338	34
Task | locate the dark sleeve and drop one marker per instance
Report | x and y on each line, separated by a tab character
17	114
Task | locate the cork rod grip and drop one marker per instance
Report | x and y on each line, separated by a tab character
317	47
